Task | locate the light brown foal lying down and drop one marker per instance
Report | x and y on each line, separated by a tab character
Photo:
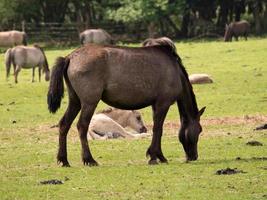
111	123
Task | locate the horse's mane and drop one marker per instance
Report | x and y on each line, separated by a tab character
168	45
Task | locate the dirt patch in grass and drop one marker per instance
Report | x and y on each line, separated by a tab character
170	126
257	119
229	171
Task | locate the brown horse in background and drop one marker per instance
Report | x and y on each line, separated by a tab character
236	29
126	78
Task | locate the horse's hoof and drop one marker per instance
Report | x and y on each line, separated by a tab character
64	164
93	164
162	159
90	162
153	162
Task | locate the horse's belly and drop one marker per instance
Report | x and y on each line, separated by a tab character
6	42
128	98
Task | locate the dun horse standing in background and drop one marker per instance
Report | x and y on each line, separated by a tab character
12	38
96	36
26	57
126	78
236	29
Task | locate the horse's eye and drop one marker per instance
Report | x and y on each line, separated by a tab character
138	118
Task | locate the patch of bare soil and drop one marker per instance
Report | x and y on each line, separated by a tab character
229	171
257	119
254	143
170	125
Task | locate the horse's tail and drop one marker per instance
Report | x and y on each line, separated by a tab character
24	39
56	87
8	61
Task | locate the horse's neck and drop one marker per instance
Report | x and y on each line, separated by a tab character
119	117
187	103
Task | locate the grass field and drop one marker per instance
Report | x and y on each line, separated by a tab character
236	103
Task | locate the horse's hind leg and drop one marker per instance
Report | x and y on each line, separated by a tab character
246	36
83	124
17	70
154	150
64	126
33	73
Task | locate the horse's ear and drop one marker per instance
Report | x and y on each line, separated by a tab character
201	111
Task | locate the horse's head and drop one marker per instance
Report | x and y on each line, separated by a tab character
189	134
228	33
135	122
47	75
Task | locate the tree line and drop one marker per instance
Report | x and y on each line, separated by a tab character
175	18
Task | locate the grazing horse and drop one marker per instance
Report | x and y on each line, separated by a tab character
236	29
12	38
26	57
111	123
126	78
96	36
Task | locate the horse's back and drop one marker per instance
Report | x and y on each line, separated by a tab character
123	77
10	38
241	27
27	57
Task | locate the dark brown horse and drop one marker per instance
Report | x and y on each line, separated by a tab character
236	29
125	78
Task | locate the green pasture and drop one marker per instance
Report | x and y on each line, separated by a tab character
28	145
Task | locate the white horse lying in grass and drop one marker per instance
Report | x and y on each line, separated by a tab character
111	123
200	79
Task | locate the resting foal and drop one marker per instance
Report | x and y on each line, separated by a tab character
111	123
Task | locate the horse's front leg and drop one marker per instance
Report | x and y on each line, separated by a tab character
154	150
33	73
17	70
83	124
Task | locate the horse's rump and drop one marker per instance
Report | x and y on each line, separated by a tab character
96	36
